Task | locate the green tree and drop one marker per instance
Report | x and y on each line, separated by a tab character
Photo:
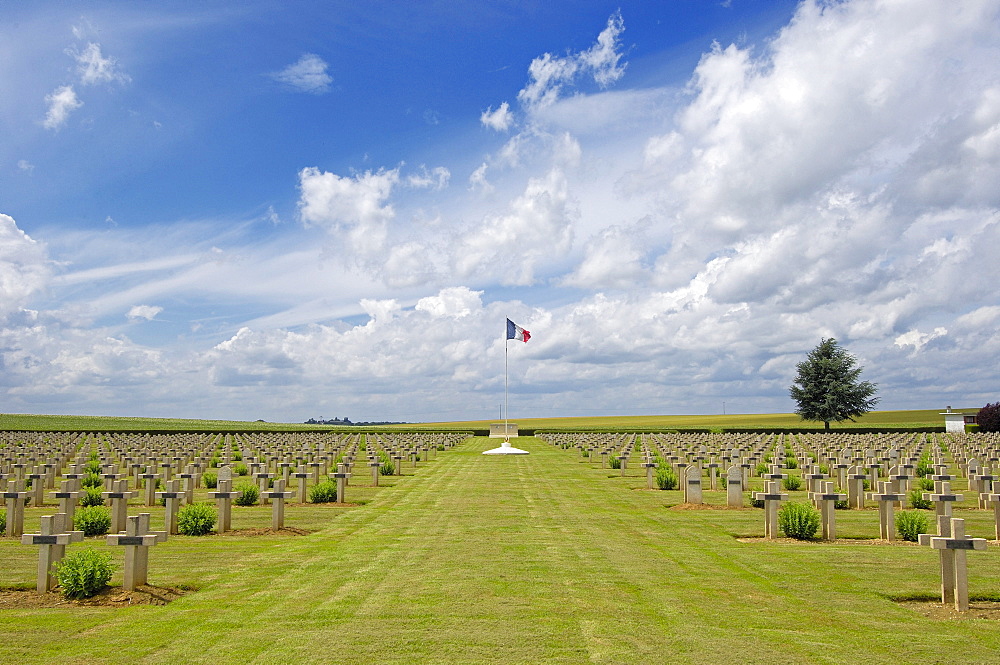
827	388
988	418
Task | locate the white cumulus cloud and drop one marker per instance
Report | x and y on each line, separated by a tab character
24	268
500	119
358	204
61	102
549	74
307	74
147	312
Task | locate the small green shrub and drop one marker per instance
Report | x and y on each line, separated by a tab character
241	469
798	520
387	468
248	494
83	573
910	524
926	484
791	463
3	521
196	519
761	469
792	483
211	480
91	497
92	520
93	466
924	468
324	492
841	505
666	479
614	462
918	501
91	480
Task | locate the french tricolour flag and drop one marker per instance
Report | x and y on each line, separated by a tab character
515	331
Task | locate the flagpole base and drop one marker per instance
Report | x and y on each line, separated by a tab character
506	449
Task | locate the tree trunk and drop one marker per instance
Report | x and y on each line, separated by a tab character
826	425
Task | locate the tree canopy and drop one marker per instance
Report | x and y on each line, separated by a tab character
827	388
988	418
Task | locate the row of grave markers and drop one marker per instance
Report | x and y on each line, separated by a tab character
133	532
950	540
307	465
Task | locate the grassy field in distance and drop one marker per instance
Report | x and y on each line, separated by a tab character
911	418
51	423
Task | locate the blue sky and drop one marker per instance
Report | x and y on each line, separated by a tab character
320	209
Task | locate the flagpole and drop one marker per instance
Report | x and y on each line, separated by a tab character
506	415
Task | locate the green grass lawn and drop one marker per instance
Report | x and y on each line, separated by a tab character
522	559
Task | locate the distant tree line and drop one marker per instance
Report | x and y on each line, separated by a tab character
347	421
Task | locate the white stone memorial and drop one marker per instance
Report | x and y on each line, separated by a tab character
506	449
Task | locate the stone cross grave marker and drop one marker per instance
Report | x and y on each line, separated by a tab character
622	462
713	473
37	479
189	480
278	496
224	496
856	488
772	498
67	500
172	497
995	500
15	497
775	474
150	480
137	540
814	479
119	496
826	500
51	542
263	484
649	466
342	475
302	476
985	480
952	544
886	500
900	482
943	498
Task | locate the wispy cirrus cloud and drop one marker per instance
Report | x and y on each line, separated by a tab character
93	67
